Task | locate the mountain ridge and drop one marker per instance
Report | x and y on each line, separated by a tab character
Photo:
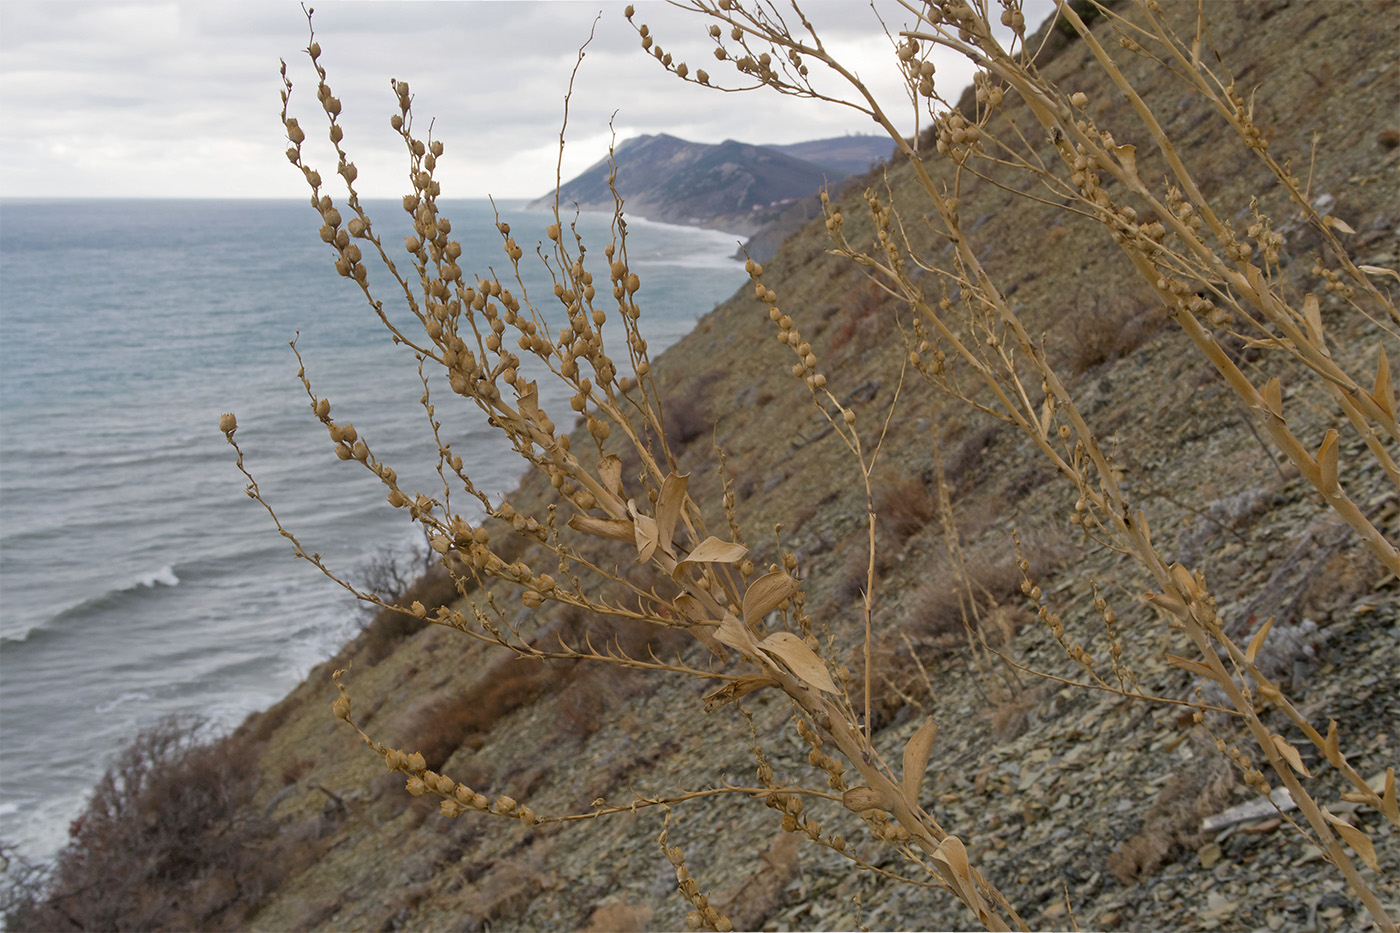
731	185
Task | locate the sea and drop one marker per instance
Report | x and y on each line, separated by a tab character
137	579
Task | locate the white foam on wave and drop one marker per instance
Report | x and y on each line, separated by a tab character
108	706
165	576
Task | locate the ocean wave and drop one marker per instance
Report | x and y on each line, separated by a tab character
137	586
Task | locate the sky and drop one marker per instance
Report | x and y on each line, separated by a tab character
180	99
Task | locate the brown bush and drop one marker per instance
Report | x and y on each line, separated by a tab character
1107	333
1174	820
389	627
903	504
168	842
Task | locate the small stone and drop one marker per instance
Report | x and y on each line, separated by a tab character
1209	853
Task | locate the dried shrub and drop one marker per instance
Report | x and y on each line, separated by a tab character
440	725
967	461
391	627
904	505
1108	332
1173	822
620	917
168	842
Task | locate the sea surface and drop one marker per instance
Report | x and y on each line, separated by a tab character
137	580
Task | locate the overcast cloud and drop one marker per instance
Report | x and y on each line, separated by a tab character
180	99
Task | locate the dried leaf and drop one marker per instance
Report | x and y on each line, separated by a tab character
1388	804
1047	412
1166	603
732	632
735	689
1360	843
1184	581
1330	746
703	636
800	659
610	472
1379	270
1290	755
1257	641
952	853
1327	463
916	756
1384	392
529	401
862	798
1195	667
1273	396
765	593
1127	155
714	551
1336	223
690	607
668	510
645	534
614	528
1312	314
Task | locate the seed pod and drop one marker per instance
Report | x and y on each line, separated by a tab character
228	423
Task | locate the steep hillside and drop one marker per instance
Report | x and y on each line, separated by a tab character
1062	794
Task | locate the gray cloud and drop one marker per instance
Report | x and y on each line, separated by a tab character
181	98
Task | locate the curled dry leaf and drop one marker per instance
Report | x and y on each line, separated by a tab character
1290	755
765	593
1360	843
862	798
1389	806
800	659
1327	463
1331	747
1379	270
1127	157
1273	396
668	510
644	531
1336	223
1195	667
1312	314
1383	393
1257	641
916	756
746	684
733	633
714	551
953	854
610	472
614	528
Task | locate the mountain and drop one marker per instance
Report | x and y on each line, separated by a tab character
731	185
849	155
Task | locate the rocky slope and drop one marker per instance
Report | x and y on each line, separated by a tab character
1064	796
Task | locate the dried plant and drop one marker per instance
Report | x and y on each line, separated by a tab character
695	573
